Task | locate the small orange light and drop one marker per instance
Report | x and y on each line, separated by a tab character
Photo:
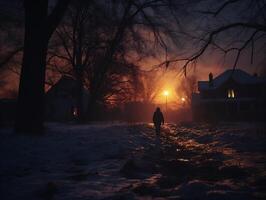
75	112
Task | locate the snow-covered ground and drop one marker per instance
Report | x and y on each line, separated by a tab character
127	161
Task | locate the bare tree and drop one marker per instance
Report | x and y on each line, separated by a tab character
139	24
39	26
188	86
80	41
72	45
11	27
99	46
230	27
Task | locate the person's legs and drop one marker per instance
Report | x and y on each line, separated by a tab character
157	129
158	137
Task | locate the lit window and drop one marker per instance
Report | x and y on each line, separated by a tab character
233	93
230	93
75	112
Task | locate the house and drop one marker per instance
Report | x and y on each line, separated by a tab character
62	98
233	95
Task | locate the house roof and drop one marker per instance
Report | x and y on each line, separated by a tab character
66	85
237	75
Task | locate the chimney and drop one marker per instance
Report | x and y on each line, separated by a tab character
210	80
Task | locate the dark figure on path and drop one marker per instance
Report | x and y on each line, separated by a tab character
158	119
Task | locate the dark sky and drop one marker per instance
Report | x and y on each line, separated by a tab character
197	24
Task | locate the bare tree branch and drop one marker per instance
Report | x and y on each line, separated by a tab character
10	56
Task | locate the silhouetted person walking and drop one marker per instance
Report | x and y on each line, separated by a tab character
158	119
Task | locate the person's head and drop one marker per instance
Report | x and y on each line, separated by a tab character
158	109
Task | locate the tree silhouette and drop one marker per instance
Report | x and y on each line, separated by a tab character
39	26
188	86
98	45
235	26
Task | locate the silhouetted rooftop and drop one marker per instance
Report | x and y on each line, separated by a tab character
237	75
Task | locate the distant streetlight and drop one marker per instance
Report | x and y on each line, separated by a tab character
166	94
183	100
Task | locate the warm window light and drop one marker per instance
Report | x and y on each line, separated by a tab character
75	112
183	99
165	93
231	93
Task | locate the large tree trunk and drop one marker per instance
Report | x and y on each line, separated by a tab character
79	73
91	112
31	88
39	27
80	107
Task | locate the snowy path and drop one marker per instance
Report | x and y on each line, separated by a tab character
128	162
